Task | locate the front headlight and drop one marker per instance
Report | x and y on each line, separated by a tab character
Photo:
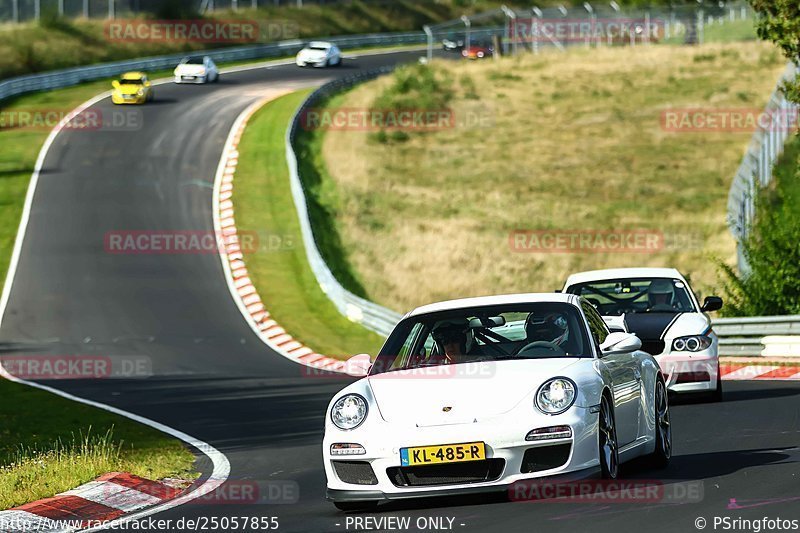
349	411
693	343
140	92
556	396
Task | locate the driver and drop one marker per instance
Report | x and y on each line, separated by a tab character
454	340
661	295
550	328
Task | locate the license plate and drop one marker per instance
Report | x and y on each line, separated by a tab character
446	453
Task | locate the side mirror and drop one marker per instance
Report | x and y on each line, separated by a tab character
147	84
115	84
711	303
358	365
619	343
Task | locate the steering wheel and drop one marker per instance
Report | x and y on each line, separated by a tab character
545	345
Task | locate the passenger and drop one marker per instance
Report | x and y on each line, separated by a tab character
454	341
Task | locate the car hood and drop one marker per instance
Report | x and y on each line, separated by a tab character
651	326
471	390
129	89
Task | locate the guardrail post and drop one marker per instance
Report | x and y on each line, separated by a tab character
15	10
112	12
37	10
86	9
60	8
429	33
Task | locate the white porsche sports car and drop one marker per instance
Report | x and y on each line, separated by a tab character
196	69
659	306
319	54
485	394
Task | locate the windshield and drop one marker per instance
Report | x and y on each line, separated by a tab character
131	82
193	61
319	47
489	333
636	295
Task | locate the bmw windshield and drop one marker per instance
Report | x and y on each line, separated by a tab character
616	297
489	333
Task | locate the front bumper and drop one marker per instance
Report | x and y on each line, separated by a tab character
190	79
128	99
686	372
339	495
505	441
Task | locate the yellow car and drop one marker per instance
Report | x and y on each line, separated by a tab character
132	88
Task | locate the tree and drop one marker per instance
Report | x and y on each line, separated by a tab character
779	22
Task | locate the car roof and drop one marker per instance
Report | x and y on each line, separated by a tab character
132	75
481	301
621	273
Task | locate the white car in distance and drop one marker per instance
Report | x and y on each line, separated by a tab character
196	69
494	393
319	54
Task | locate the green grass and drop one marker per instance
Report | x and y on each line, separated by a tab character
730	31
49	445
572	142
285	282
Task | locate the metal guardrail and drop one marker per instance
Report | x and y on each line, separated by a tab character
72	76
755	171
742	336
373	316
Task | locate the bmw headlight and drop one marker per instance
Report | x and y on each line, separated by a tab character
140	92
556	396
693	343
349	411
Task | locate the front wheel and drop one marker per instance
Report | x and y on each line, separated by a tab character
609	451
663	431
356	506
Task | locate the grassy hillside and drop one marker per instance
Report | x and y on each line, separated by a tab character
562	142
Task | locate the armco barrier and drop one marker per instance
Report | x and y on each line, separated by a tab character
373	316
743	336
72	76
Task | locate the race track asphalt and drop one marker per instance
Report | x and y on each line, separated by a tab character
213	379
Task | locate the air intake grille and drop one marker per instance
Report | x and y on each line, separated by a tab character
545	458
355	472
446	474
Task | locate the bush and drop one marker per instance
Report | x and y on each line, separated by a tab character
772	249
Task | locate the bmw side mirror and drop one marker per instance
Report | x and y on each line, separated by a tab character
358	365
619	343
711	303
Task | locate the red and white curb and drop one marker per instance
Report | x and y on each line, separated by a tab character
98	502
233	260
758	372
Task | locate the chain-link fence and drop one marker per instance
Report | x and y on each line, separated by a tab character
28	10
779	120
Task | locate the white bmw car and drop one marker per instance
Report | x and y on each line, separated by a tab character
319	54
659	306
196	69
486	394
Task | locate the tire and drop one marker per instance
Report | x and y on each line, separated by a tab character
607	439
663	431
356	506
716	396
